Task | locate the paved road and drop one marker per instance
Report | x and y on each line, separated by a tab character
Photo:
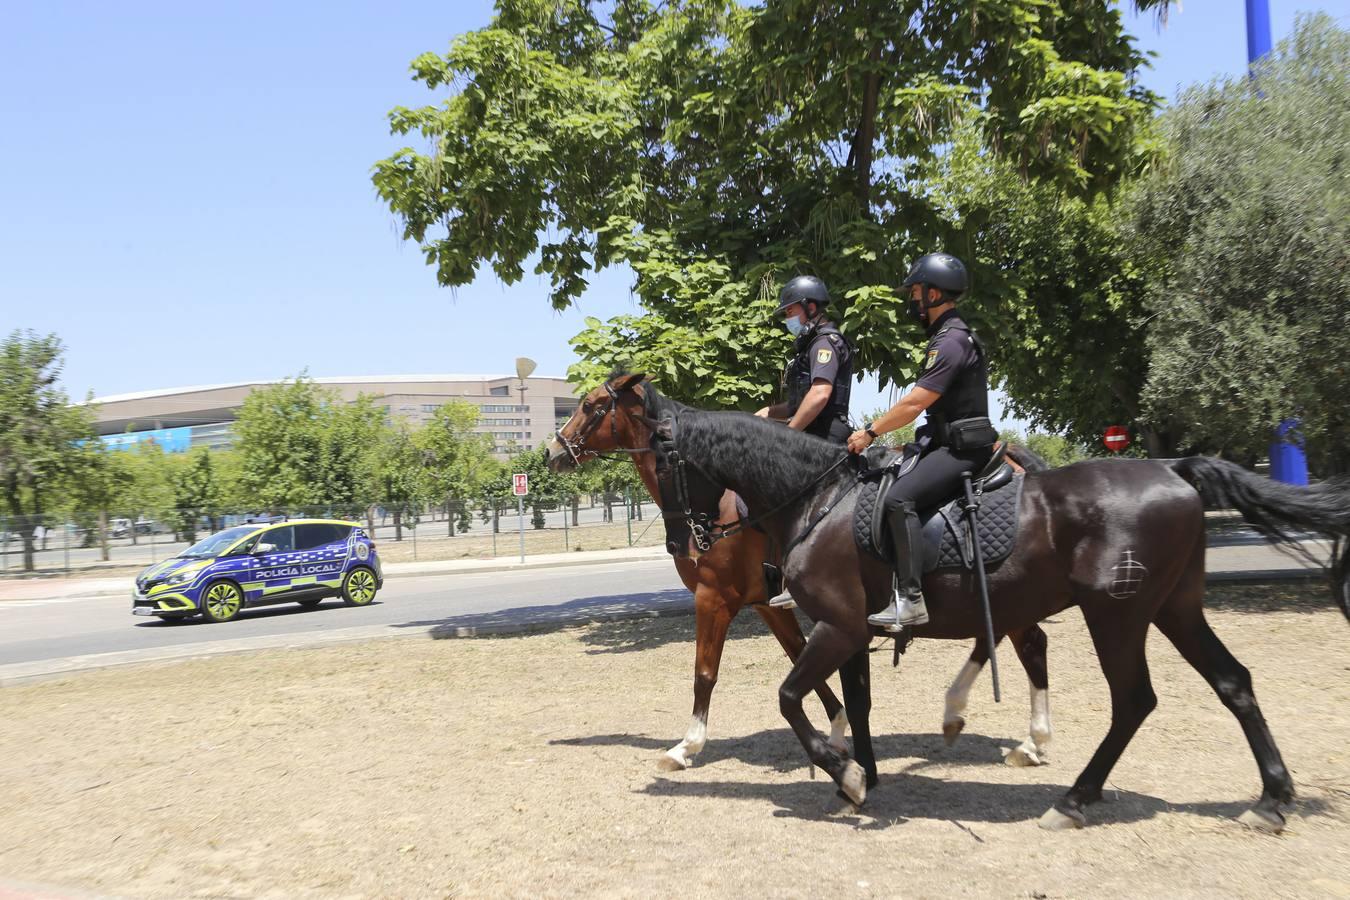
39	636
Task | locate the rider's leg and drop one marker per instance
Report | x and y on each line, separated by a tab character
933	480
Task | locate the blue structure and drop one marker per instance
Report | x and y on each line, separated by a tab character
1288	462
1258	29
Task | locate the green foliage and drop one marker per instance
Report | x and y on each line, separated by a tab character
1055	449
719	149
196	492
1246	231
39	431
299	445
1057	302
457	459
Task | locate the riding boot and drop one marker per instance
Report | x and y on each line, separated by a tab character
907	606
783	600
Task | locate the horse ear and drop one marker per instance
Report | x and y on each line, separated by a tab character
624	382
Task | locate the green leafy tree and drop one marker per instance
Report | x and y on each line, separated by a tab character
300	446
1057	300
99	482
719	148
1055	449
39	432
1245	230
196	492
457	458
400	476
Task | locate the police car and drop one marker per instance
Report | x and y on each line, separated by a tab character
301	561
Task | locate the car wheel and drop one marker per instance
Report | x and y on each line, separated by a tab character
309	604
222	602
358	588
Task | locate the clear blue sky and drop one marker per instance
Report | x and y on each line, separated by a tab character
186	195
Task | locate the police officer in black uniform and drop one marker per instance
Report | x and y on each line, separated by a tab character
953	389
820	375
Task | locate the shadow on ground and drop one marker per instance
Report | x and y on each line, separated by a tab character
1302	597
629	615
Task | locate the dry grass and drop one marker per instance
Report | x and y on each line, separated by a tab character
526	766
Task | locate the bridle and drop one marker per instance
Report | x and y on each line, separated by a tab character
574	446
706	530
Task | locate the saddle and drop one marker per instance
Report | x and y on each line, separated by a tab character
946	530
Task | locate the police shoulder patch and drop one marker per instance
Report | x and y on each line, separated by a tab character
823	356
932	358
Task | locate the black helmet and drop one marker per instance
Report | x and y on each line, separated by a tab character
801	289
939	270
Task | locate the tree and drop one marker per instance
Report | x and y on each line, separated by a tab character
719	149
1245	230
400	475
196	492
457	458
1060	300
299	445
39	431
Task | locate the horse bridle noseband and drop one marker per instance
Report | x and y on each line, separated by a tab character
574	446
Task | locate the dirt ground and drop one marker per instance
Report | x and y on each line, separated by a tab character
527	766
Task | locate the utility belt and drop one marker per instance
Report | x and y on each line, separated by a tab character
975	433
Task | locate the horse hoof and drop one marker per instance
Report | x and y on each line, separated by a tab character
840	806
952	730
673	761
1023	757
854	783
1055	820
1267	823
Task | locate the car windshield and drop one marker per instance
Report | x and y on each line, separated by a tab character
218	543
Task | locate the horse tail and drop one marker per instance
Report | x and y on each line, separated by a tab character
1279	511
1028	459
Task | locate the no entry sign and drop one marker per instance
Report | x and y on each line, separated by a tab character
520	482
1116	438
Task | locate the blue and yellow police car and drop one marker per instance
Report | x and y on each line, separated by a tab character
300	561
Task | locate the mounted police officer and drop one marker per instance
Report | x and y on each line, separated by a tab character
953	389
819	376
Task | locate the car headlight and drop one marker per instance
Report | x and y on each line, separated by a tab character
179	578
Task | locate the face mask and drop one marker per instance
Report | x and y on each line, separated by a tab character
794	326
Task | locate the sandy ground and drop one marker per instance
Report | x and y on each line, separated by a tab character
527	766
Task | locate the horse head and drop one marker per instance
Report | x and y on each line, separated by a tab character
612	418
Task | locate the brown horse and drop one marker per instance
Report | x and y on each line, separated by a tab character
1123	540
729	577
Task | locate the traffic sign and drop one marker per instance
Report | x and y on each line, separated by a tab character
1116	438
520	482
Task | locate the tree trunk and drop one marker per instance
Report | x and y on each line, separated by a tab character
860	155
103	534
576	511
398	524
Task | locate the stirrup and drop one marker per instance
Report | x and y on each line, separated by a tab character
903	612
783	601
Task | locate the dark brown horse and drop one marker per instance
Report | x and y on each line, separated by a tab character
729	577
1123	540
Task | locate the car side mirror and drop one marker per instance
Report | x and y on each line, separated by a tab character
263	549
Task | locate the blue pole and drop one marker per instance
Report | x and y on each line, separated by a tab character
1288	462
1258	29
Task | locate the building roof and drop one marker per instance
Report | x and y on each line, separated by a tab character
336	379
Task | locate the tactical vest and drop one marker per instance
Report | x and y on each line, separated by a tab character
797	377
968	395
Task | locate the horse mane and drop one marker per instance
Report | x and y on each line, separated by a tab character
777	460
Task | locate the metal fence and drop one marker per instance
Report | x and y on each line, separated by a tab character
87	542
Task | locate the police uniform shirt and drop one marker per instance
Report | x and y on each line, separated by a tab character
824	357
950	353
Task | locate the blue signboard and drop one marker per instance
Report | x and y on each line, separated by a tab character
170	440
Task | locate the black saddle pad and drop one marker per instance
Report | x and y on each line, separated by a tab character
946	531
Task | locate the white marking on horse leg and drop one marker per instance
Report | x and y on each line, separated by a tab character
681	756
838	728
1035	750
958	695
